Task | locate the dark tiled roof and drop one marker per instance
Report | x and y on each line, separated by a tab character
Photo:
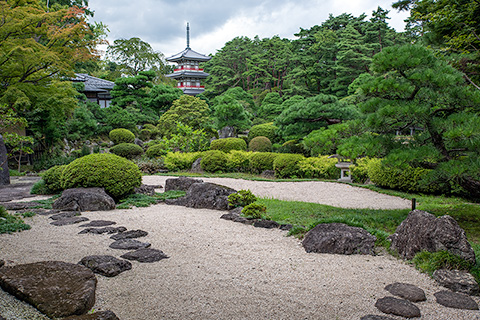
191	74
188	54
93	83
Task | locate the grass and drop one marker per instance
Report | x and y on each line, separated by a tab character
142	200
10	223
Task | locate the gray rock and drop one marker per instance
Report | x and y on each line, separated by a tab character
138	142
231	215
145	255
227	132
84	199
20	205
130	234
181	183
196	166
458	281
109	230
98	223
58	289
338	238
2	263
423	231
243	220
68	221
286	227
129	244
145	189
268	174
375	317
267	224
398	307
205	195
453	300
4	173
101	315
406	291
65	214
107	266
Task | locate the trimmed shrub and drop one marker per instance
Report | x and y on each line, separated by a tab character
228	144
261	161
159	149
117	175
154	132
145	134
39	188
241	198
268	130
319	167
238	161
127	150
292	146
53	178
286	165
360	170
176	161
121	136
254	211
214	161
260	144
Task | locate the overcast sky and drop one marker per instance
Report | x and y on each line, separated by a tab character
162	23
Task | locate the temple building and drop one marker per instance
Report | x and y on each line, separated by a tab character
188	74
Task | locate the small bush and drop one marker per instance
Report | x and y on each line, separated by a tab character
286	165
127	150
145	134
263	130
150	166
40	187
53	179
214	161
241	198
154	132
429	262
261	161
254	211
360	170
260	144
237	161
319	168
121	136
176	161
228	144
117	175
292	146
160	148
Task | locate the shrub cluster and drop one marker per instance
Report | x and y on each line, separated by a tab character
176	161
159	148
238	161
320	167
265	130
286	165
214	161
127	150
260	144
145	134
121	136
254	211
52	178
228	144
150	166
241	198
261	161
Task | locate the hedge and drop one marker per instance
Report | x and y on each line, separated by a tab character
321	167
261	161
228	144
214	161
286	165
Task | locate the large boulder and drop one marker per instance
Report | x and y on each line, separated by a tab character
181	183
84	199
4	173
58	289
457	280
204	195
338	238
422	231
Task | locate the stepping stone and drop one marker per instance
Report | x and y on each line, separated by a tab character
129	244
230	216
101	315
457	281
65	214
107	266
130	234
145	255
42	212
406	291
20	205
108	230
98	223
398	307
68	221
455	300
375	317
267	224
286	227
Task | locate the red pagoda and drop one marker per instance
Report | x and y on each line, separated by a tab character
187	73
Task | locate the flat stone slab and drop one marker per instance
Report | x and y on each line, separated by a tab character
375	317
145	255
267	224
398	307
101	315
129	244
98	223
406	291
58	289
107	266
457	281
65	214
20	205
131	234
108	230
455	300
68	221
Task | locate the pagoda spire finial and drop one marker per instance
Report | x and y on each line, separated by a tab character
188	36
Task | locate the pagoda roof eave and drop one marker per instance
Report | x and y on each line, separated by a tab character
188	54
200	75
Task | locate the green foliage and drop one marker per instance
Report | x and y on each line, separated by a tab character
254	211
261	161
142	200
133	90
292	146
359	171
82	125
11	223
127	150
145	134
47	161
188	139
162	96
271	106
15	173
176	161
268	130
238	161
260	144
214	161
319	167
116	118
117	175
158	150
241	198
40	187
121	136
429	262
53	179
149	166
228	144
154	132
230	112
286	165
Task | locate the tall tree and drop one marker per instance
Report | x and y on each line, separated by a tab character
133	91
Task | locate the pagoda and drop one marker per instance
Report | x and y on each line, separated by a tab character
187	73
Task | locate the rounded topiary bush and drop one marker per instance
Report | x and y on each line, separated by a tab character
260	144
286	165
228	144
121	136
261	161
53	178
157	150
241	198
144	134
127	150
154	132
263	130
214	160
117	175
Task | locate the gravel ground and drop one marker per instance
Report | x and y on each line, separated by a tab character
219	269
